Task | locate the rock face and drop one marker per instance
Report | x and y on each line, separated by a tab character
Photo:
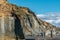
21	22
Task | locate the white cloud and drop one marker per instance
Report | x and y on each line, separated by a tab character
53	21
40	15
51	17
50	21
57	21
53	13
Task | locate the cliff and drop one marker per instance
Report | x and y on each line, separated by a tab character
24	22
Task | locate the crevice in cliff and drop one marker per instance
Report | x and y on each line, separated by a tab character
18	29
28	18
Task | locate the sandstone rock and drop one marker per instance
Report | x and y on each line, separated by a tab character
21	22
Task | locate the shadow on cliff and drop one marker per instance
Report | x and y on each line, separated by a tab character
18	28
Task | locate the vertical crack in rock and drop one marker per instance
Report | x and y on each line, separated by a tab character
28	18
18	29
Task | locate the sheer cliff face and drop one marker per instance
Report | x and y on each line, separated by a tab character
26	23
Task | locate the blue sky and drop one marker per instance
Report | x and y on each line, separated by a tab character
39	6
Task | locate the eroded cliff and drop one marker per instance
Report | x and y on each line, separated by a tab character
24	22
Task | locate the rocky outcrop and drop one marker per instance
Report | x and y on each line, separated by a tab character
24	22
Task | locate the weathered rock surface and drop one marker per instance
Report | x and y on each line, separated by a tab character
24	22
